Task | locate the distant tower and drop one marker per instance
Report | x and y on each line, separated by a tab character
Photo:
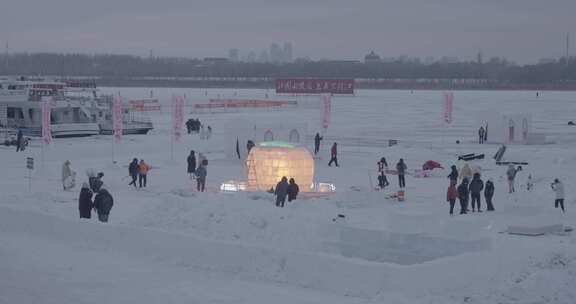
479	57
287	53
275	53
567	46
6	54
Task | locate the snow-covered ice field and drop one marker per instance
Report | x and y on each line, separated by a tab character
169	244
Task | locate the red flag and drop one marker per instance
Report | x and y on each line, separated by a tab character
448	106
327	102
117	118
46	122
177	115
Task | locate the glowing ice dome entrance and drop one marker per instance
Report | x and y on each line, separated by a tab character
268	162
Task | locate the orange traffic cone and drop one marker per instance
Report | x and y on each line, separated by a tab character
401	195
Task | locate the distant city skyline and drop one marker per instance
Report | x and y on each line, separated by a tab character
523	31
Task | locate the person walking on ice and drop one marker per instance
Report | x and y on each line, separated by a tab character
19	139
191	160
558	188
201	174
511	175
133	170
401	168
143	169
317	140
334	155
67	176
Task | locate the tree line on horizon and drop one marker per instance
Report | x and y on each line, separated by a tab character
561	71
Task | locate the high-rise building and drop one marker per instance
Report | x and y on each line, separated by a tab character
287	53
233	55
275	53
263	58
251	57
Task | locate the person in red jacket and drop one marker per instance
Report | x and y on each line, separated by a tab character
334	153
452	195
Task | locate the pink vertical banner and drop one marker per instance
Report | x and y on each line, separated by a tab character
448	106
46	122
117	118
178	115
327	104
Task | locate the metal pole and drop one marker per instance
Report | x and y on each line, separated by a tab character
29	180
172	132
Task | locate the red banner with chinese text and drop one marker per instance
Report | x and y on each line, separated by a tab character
314	86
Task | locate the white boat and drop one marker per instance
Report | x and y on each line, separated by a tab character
100	108
20	108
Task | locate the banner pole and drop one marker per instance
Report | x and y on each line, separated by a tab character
172	131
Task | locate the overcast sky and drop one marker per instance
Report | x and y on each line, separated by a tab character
521	30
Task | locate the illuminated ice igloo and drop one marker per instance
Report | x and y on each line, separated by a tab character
268	162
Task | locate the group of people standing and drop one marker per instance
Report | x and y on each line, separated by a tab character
469	191
400	171
195	126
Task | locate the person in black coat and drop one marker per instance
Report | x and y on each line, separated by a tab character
463	196
476	187
103	203
317	140
191	163
133	170
401	169
85	204
481	135
249	145
281	191
453	176
293	190
19	138
488	194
